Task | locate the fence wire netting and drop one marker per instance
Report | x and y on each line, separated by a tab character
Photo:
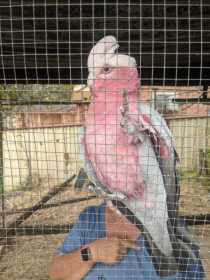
74	135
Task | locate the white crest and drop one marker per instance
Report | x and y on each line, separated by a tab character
103	54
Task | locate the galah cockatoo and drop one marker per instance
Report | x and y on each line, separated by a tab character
129	150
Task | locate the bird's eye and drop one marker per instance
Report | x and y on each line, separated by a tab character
106	69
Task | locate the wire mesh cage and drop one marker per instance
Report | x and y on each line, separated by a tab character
104	139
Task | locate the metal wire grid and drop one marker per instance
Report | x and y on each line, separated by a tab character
48	42
169	39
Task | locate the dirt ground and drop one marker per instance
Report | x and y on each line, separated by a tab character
27	257
195	199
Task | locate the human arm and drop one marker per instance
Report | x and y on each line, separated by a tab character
71	266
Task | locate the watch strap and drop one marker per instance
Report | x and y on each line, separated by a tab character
86	254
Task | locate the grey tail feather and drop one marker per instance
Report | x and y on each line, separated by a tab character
164	265
183	248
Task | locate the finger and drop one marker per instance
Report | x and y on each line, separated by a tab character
110	205
130	244
121	249
118	212
123	252
121	255
113	208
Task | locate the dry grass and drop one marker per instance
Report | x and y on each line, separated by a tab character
27	257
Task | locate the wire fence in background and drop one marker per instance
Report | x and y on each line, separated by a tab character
44	46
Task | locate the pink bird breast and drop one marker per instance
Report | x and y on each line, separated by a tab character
114	158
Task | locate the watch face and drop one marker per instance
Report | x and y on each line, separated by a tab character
86	254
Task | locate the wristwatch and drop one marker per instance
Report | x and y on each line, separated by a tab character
86	254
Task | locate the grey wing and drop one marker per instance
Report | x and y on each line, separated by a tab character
167	166
182	242
159	123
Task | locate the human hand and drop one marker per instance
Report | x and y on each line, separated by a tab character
111	250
